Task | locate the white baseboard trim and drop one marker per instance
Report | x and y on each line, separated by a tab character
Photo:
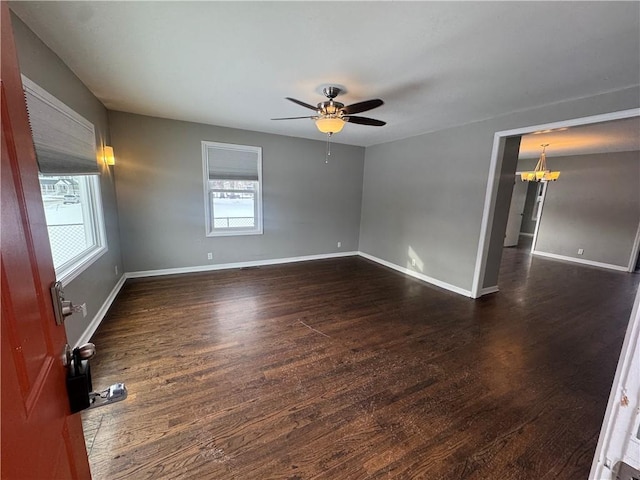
419	276
522	234
95	323
488	290
97	319
227	266
579	260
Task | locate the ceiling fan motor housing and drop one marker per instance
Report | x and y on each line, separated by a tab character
330	108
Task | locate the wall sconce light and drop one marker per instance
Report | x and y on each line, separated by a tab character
109	159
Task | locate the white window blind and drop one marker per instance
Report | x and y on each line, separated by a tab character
229	163
232	189
64	141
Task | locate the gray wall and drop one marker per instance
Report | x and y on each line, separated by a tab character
528	225
595	205
42	66
427	192
308	206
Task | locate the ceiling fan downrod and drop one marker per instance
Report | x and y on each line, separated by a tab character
331	92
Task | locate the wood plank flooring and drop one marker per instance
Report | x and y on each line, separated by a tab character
343	369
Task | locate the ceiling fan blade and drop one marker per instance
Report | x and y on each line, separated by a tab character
362	106
292	118
301	103
365	121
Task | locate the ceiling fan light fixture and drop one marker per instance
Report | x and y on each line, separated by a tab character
329	124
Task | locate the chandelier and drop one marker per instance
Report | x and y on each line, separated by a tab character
540	173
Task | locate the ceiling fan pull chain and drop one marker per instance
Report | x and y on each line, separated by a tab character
328	146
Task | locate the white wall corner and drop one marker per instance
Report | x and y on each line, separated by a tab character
488	290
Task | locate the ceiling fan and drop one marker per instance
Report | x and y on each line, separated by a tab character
331	116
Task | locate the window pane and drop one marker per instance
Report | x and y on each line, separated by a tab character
233	203
67	210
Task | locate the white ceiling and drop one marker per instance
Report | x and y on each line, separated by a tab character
435	64
612	136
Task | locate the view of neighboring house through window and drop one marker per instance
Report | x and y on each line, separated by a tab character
69	182
233	185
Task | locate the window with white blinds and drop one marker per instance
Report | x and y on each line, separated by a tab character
233	189
69	182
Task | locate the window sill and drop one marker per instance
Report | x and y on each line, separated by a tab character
71	272
230	233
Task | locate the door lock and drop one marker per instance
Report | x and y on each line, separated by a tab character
62	308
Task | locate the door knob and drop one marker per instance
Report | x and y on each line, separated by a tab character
69	308
85	352
63	308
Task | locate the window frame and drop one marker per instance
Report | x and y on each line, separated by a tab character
93	221
210	229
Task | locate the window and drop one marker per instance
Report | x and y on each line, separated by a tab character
74	220
233	189
65	148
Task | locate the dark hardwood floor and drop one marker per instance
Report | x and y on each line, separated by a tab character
343	369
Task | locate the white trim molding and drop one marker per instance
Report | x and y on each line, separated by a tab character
97	319
418	275
228	266
618	440
488	290
634	251
277	261
579	260
491	193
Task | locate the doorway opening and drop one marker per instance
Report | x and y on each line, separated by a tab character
504	162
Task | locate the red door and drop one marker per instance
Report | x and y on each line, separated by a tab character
40	439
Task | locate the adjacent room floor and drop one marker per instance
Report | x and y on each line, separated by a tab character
343	369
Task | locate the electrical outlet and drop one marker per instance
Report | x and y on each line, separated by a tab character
580	251
339	244
413	262
116	269
209	256
84	309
